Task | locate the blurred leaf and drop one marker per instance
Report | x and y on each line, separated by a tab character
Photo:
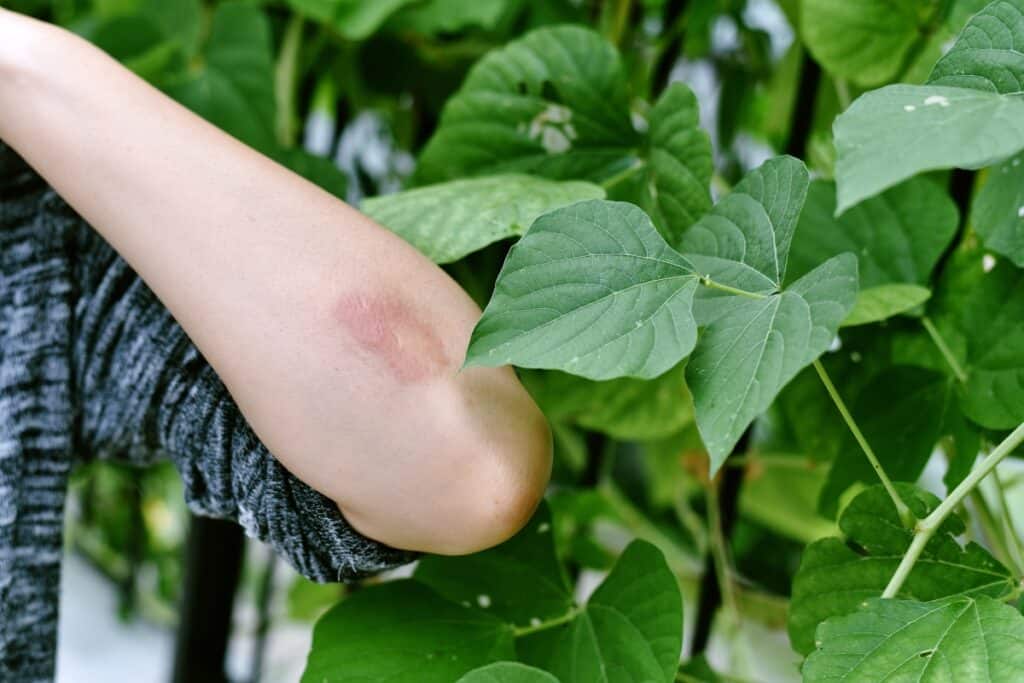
508	672
353	19
997	211
449	220
555	103
234	89
919	407
623	408
783	496
986	308
450	16
897	236
866	41
882	302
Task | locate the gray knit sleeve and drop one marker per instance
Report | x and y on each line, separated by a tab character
144	388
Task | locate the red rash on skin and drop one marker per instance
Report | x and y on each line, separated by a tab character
386	329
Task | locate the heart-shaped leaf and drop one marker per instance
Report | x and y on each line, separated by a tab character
591	289
837	575
955	639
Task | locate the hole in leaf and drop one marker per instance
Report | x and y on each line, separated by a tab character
926	654
550	93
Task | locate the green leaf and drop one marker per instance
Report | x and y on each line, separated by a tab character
753	226
865	41
958	639
885	301
626	408
986	55
630	630
321	171
897	236
752	347
966	117
403	632
353	19
508	672
450	16
555	103
902	430
837	575
235	88
520	581
679	163
986	308
891	134
591	289
997	211
749	354
449	220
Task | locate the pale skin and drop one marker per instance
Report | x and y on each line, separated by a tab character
340	343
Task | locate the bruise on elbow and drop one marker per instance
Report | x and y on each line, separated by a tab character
388	332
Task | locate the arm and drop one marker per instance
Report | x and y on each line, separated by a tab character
339	342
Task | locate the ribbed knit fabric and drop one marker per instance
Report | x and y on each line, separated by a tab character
93	365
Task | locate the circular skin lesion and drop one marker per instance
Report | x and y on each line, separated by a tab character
388	331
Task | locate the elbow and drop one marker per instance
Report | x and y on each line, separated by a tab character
481	466
506	492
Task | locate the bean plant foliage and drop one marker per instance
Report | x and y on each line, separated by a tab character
777	326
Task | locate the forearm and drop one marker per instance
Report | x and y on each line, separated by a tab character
339	342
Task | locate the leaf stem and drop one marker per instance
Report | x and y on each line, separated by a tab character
992	534
622	175
720	553
947	353
708	282
285	76
520	631
1015	551
842	93
906	516
927	527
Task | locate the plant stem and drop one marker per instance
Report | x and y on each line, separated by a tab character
708	282
1015	551
947	353
620	16
842	92
520	631
906	516
927	527
720	553
624	174
285	77
993	536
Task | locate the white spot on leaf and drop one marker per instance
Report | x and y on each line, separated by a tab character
543	528
483	600
535	621
553	128
940	100
909	107
988	262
